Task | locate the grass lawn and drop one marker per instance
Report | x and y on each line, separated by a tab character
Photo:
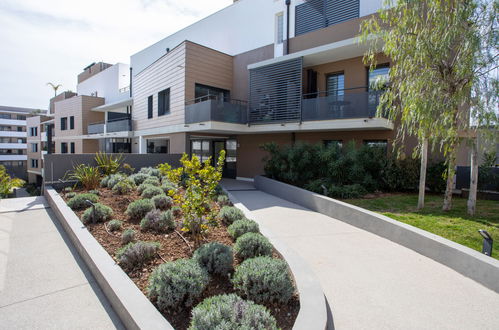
454	225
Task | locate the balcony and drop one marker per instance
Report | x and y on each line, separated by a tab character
118	125
213	108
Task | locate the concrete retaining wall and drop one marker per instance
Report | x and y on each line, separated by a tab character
133	308
468	262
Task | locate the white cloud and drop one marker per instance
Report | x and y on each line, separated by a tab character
53	40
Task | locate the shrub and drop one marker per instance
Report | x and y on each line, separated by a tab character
114	179
87	176
138	178
435	180
94	191
229	214
128	236
70	194
7	184
150	171
215	258
241	227
102	213
347	191
79	201
252	245
142	187
264	280
162	201
152	180
150	192
138	209
176	211
108	164
114	225
230	311
223	200
167	186
136	254
68	189
158	221
123	187
177	284
104	181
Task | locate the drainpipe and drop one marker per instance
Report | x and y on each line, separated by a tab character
288	3
130	82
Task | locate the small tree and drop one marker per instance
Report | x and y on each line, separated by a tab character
54	87
200	180
7	184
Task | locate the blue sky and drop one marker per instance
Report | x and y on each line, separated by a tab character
53	40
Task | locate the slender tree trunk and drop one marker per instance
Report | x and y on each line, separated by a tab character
473	178
422	173
450	181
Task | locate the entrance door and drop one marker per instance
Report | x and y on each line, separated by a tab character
229	170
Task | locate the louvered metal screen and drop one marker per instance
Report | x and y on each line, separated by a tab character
276	92
317	14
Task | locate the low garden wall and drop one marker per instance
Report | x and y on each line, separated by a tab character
464	260
133	308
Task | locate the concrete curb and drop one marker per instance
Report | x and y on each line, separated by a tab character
313	312
129	303
466	261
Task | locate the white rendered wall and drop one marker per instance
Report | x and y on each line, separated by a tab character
107	83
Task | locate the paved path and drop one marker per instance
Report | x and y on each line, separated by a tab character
44	284
371	282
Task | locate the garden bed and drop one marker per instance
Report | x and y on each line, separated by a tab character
174	245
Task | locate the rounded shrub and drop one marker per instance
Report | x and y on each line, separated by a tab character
223	200
114	225
101	213
178	284
79	201
230	311
94	191
176	211
68	189
104	181
127	236
215	258
138	209
139	178
264	280
70	194
136	254
229	214
158	221
114	179
150	192
152	180
252	245
124	187
162	201
241	227
167	186
150	171
142	187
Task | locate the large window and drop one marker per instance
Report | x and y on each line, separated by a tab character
34	163
378	78
204	92
149	107
64	148
34	147
64	123
201	148
383	144
164	102
4	116
33	131
72	147
157	146
333	143
279	28
72	122
335	83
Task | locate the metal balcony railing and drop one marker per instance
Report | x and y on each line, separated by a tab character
96	128
116	125
215	108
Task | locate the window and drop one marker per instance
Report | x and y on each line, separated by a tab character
157	146
377	143
335	83
21	117
72	146
33	131
34	147
333	143
149	107
64	123
378	78
204	92
164	102
64	148
72	122
279	28
201	149
34	163
4	116
20	129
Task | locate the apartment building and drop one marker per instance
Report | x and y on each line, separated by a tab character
39	143
13	136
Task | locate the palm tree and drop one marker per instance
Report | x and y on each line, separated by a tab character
54	87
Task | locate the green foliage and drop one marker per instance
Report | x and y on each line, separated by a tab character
241	227
79	201
215	258
252	245
229	214
223	200
128	169
264	280
231	312
104	181
107	163
157	221
127	236
176	211
200	181
86	175
168	187
136	254
150	171
94	191
435	177
70	194
347	191
68	189
162	202
136	210
150	192
101	213
7	184
124	187
152	180
139	178
115	179
114	225
178	284
143	187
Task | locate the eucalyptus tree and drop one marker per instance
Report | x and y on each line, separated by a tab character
442	55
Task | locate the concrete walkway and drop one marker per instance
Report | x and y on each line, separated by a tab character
371	282
44	284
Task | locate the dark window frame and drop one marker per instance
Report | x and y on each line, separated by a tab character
64	147
164	102
72	147
64	123
368	142
335	74
368	72
72	122
330	142
150	107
